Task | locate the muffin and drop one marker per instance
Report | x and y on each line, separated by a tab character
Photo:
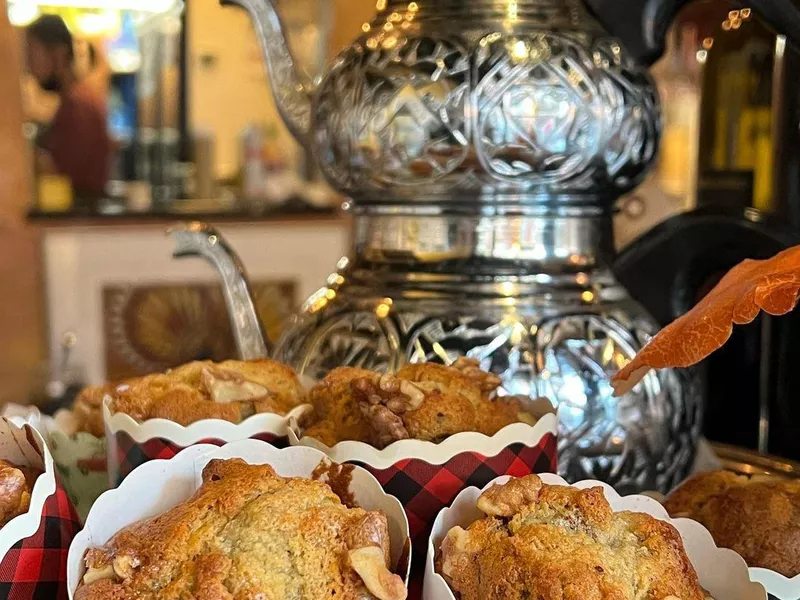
16	486
426	401
231	391
756	517
563	543
248	533
86	415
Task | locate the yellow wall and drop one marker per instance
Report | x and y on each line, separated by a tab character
232	93
21	314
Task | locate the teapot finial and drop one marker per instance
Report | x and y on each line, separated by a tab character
199	239
291	88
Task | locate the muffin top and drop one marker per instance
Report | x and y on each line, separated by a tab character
87	410
16	486
248	533
231	391
425	401
561	543
757	517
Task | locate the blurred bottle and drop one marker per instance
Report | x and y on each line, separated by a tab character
253	171
679	86
54	193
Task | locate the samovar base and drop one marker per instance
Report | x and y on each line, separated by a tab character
560	344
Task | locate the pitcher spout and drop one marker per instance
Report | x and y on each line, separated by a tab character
199	239
291	88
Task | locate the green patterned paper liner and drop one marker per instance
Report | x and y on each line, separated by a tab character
81	461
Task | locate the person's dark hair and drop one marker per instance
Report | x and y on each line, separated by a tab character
52	31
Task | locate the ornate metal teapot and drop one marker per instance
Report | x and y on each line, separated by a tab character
483	143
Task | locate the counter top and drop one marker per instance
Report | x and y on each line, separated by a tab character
165	217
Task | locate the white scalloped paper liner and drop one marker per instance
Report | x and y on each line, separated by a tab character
722	572
16	447
201	430
158	485
432	453
777	585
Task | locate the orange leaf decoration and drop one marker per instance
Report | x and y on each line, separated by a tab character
750	287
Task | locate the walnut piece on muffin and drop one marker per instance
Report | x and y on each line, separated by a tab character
425	401
757	517
248	533
561	543
230	391
16	486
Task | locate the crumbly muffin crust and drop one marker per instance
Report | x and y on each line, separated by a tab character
248	533
561	543
87	410
231	391
756	517
16	486
425	401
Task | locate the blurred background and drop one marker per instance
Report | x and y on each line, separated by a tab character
90	291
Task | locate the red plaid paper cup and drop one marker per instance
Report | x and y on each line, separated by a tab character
723	573
34	546
426	477
160	485
132	444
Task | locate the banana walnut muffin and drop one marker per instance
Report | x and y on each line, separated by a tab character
561	543
230	391
16	486
248	533
86	415
757	517
421	401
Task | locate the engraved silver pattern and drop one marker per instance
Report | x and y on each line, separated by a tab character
483	143
644	440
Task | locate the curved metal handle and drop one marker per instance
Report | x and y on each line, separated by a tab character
642	25
199	239
290	87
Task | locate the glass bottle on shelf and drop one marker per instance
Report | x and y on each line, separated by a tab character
680	91
672	187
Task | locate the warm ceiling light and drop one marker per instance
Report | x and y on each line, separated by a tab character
92	24
22	14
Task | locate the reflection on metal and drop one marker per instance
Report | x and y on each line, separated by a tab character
749	462
197	239
483	144
548	330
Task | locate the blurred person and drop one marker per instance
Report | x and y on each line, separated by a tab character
76	143
96	72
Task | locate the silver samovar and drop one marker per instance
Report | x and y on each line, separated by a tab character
483	144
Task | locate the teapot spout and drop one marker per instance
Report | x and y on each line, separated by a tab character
199	239
291	88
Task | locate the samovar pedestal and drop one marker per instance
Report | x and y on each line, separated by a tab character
531	297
